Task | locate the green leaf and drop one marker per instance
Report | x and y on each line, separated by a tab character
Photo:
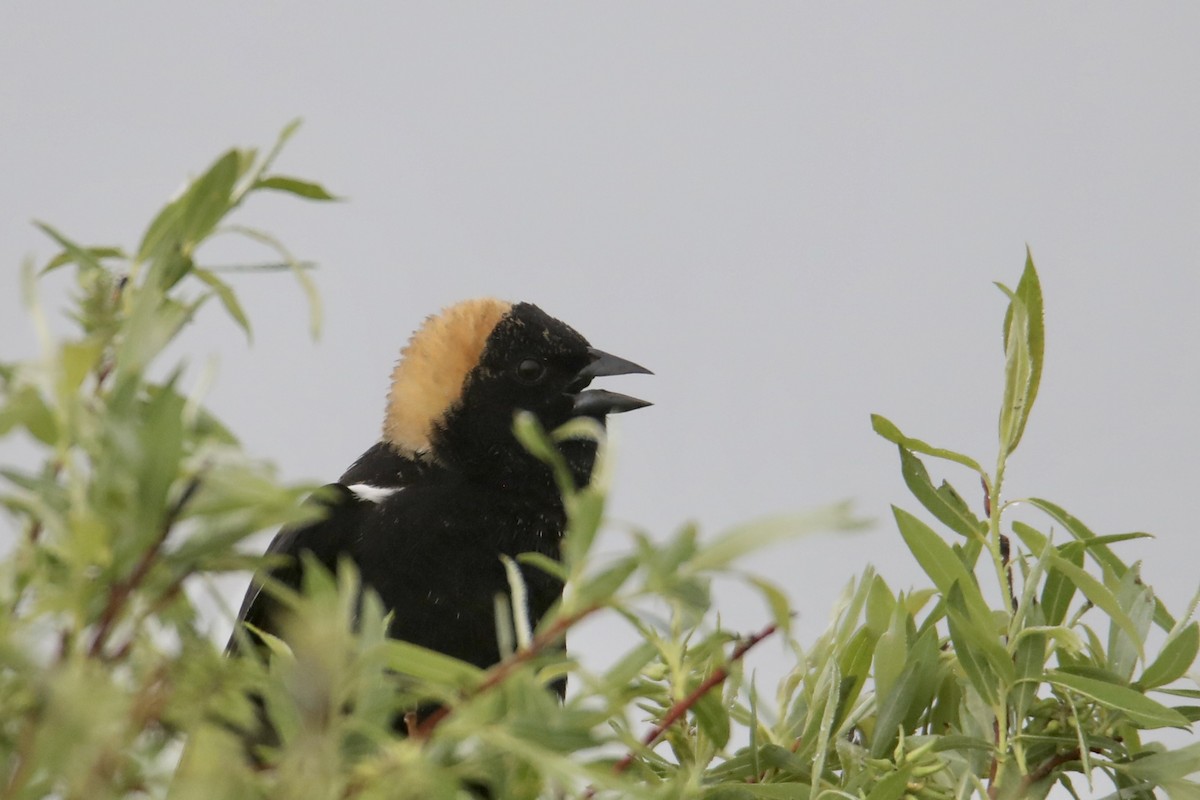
1059	589
1135	705
892	786
712	718
1100	552
988	666
940	563
943	501
431	666
210	197
300	188
25	408
1024	346
1160	768
1030	661
855	664
1175	659
550	566
73	253
777	602
299	269
1100	596
889	431
1136	600
152	323
894	707
748	537
601	587
1014	409
160	450
891	651
225	294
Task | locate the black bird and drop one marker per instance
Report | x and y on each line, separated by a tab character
426	513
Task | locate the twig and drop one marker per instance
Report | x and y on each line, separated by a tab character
499	673
120	591
681	707
992	789
172	591
1048	766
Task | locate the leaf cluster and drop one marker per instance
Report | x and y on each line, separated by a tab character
1029	657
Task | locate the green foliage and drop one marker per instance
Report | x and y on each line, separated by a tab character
112	687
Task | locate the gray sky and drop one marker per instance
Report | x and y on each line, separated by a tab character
791	212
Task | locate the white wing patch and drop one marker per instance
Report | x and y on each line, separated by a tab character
371	494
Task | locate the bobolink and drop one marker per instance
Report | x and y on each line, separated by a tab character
426	513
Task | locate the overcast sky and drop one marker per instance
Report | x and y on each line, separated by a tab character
792	213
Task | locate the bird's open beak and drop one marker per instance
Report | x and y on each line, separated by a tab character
598	402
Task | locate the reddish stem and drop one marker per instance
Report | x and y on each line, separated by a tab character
119	594
681	707
500	672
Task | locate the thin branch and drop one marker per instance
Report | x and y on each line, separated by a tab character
1047	767
992	789
172	591
119	594
500	672
681	707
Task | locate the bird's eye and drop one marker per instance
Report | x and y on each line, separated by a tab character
530	371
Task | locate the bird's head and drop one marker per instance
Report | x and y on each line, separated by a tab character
469	369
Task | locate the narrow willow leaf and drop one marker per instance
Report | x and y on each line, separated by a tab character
892	786
209	198
72	253
1025	318
601	587
1164	767
429	665
777	602
25	408
97	253
942	501
983	658
1100	596
712	717
545	564
532	436
742	539
940	563
1136	600
1059	589
879	604
281	141
1029	661
828	686
1175	659
1100	552
1014	409
891	651
300	270
229	300
889	431
855	664
300	188
893	708
1139	708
